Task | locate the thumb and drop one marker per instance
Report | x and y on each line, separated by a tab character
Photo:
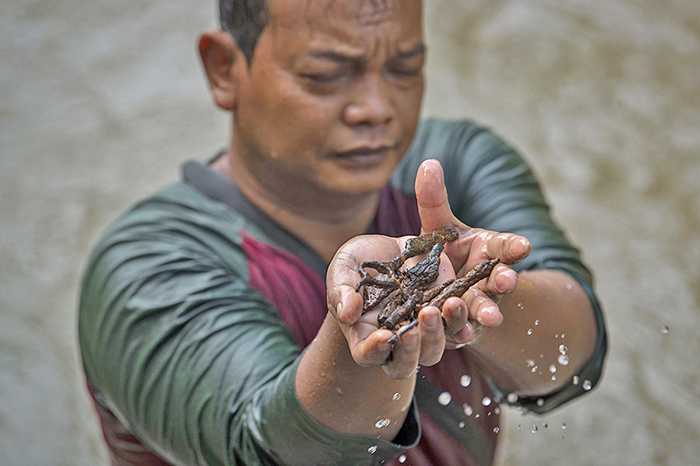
433	206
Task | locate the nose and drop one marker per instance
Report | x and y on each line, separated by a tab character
371	103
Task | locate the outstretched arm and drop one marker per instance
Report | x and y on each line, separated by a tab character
534	321
344	379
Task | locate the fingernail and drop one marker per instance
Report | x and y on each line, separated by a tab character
431	321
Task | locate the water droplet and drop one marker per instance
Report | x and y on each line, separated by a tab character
665	329
402	459
512	398
541	356
486	401
465	380
372	450
563	360
563	335
496	430
382	423
569	286
552	368
520	305
563	349
534	429
534	369
477	416
467	410
403	408
461	425
540	402
587	385
444	398
530	362
554	377
576	380
563	426
556	336
545	425
537	322
529	332
497	410
397	396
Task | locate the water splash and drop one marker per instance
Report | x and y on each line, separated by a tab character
444	398
382	423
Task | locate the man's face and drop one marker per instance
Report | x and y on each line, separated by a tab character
332	96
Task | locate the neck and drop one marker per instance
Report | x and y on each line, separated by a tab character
321	219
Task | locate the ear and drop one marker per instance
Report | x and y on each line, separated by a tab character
220	53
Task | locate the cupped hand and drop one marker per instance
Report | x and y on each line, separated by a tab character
368	343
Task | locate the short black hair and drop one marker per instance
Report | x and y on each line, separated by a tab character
245	21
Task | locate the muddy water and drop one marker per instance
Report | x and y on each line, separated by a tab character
99	103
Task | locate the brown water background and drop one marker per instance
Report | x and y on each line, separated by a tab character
101	101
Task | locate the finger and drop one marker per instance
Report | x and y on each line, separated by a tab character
508	247
345	304
369	349
405	357
432	343
503	280
342	276
455	315
481	308
431	195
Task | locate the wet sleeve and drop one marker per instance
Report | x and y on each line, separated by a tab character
197	364
490	186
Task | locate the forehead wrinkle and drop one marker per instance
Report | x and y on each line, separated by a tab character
341	21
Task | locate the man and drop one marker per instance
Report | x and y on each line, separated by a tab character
204	326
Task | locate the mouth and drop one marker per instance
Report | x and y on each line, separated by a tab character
365	156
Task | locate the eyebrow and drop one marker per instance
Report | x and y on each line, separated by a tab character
416	50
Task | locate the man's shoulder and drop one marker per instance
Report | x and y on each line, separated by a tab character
178	215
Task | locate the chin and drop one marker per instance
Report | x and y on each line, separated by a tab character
358	182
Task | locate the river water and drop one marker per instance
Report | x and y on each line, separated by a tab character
101	101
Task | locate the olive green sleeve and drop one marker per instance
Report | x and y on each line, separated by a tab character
197	364
490	186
